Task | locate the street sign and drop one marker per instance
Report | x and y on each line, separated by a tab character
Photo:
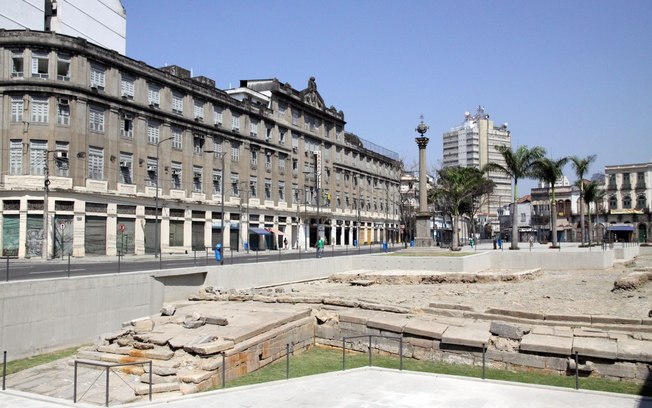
122	228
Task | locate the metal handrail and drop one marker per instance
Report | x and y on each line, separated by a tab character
108	367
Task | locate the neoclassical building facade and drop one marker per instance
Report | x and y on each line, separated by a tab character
136	158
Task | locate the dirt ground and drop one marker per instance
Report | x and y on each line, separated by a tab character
558	292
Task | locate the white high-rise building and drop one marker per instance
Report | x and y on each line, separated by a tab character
473	144
102	22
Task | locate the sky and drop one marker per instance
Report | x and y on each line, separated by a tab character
574	77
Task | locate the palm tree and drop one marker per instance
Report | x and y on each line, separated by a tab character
518	165
455	191
581	166
593	194
550	171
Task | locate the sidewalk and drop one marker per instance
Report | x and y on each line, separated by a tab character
372	387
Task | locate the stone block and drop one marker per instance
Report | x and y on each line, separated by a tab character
596	347
210	364
568	318
387	322
466	336
143	346
215	320
444	312
590	333
181	340
168	310
613	320
509	331
211	347
516	313
143	325
158	379
543	343
143	389
557	363
340	302
617	369
328	332
547	330
158	353
437	305
635	350
419	342
525	360
356	317
383	308
425	328
194	376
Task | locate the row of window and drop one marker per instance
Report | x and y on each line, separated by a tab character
626	177
128	84
641	202
39	113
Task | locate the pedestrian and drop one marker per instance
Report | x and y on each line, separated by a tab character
471	242
320	246
500	242
285	243
531	241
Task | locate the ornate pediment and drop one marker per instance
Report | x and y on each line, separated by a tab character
310	96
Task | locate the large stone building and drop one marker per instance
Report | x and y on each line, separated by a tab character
628	197
473	144
102	22
129	151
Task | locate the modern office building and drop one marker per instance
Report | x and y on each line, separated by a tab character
628	197
103	154
473	144
101	22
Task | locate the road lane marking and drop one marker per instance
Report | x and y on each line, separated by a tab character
55	271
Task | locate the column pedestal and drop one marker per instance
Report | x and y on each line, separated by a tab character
423	238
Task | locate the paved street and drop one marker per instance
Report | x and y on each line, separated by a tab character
21	269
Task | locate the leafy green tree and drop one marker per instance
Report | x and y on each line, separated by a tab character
457	190
550	171
518	165
581	166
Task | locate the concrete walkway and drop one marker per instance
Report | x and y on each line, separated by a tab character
373	387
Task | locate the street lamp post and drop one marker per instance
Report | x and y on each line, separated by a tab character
157	234
46	215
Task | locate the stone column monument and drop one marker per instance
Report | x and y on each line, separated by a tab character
424	237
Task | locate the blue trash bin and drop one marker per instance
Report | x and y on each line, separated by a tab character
246	246
412	243
384	246
218	252
355	242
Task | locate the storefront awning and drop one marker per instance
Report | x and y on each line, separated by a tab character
275	231
628	228
259	231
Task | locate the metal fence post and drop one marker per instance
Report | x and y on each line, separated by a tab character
287	361
106	397
69	265
343	353
150	380
370	346
484	355
223	370
194	260
400	353
7	268
118	262
4	370
74	386
577	372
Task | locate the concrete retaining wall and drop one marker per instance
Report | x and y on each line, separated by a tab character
553	260
43	315
626	252
472	263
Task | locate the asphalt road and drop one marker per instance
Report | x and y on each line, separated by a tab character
24	269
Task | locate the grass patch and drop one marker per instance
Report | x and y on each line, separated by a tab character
29	362
319	360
